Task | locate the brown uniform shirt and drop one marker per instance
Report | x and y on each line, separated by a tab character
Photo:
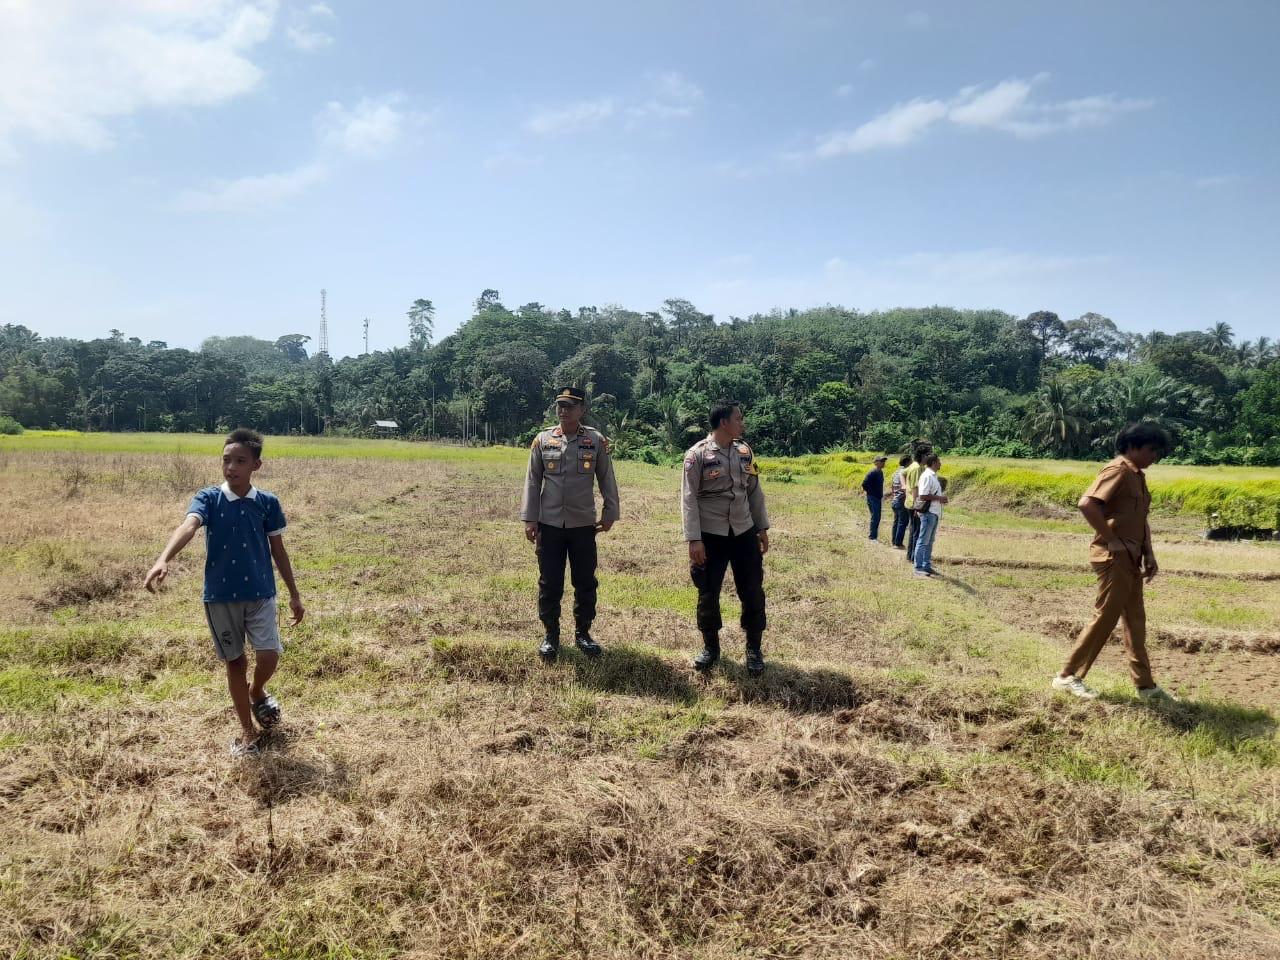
559	485
720	490
1122	488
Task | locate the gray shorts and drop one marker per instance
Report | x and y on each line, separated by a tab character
231	622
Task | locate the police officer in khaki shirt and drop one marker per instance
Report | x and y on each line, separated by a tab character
726	524
1116	507
559	514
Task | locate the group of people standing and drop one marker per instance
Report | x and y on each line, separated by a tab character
916	494
723	516
724	521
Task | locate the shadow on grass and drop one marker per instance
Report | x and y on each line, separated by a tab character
620	669
633	672
792	688
967	588
1217	725
277	775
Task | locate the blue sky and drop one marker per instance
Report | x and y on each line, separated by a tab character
189	167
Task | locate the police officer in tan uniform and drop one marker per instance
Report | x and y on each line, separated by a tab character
559	514
1122	556
726	525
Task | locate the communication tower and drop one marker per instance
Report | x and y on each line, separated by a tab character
324	327
366	336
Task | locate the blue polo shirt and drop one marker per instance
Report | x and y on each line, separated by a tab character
237	564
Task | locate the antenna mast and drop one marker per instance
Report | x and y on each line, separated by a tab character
366	336
324	326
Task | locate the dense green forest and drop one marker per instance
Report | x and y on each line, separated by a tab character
973	381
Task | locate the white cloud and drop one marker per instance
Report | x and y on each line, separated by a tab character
844	90
571	117
1008	107
70	68
368	128
365	130
305	31
246	194
866	66
667	95
895	127
918	19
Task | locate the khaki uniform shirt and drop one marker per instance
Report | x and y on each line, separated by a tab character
720	490
1122	488
559	486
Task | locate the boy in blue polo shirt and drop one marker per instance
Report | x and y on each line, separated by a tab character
243	533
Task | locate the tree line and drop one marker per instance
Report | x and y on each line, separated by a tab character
972	381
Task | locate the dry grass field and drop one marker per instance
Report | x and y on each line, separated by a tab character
900	783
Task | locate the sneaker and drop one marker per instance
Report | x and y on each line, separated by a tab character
241	748
1074	686
1157	693
922	574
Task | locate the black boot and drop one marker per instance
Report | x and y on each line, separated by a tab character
550	647
755	659
710	654
582	640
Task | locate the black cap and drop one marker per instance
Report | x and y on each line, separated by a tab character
571	394
880	459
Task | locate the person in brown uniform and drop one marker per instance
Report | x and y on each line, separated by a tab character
1116	507
726	525
559	514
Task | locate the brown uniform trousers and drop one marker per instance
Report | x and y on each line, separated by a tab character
1119	599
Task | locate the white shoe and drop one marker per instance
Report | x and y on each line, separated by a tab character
1157	693
922	574
1074	686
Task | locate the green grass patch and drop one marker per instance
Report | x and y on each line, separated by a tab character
29	690
640	593
649	731
1215	614
210	444
1079	764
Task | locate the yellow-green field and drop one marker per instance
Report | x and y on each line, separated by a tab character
900	783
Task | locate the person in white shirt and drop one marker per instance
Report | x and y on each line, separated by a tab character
929	491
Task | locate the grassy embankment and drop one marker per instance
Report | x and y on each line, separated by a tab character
1238	495
899	784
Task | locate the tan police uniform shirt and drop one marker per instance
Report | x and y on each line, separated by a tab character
1122	488
559	485
720	490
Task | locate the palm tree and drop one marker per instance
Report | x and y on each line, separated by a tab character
1057	420
1263	351
1148	395
1221	334
698	375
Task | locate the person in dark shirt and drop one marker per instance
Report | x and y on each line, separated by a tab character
873	486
